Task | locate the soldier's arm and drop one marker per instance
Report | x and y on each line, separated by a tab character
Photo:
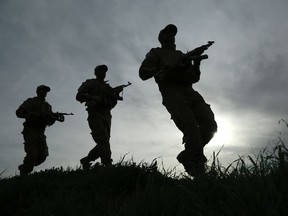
83	92
21	112
25	109
149	66
196	67
193	72
49	108
50	117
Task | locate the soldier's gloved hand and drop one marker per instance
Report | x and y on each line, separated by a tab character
61	118
58	117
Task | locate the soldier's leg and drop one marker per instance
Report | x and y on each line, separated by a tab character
30	147
104	139
94	122
192	157
185	120
93	155
179	103
206	121
43	149
105	152
100	125
101	150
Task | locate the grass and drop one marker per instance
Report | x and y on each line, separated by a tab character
252	185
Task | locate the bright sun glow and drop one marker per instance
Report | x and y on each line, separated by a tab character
224	133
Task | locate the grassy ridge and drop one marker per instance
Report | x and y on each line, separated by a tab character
254	186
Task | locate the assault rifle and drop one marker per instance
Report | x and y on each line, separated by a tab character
196	54
115	93
59	116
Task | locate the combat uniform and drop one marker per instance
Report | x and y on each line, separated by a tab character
189	111
35	144
99	117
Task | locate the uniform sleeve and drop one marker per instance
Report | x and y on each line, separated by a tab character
24	108
82	94
150	65
108	98
49	108
113	101
49	117
197	72
193	72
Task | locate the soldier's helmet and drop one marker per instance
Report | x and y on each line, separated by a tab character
100	68
43	87
169	28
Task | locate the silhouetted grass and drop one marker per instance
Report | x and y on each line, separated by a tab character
255	185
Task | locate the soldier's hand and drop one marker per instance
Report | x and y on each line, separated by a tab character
58	117
61	118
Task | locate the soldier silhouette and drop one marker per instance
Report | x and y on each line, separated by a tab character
38	115
99	99
175	74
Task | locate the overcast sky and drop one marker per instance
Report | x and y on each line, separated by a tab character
58	43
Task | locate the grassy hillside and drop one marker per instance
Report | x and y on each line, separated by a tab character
251	186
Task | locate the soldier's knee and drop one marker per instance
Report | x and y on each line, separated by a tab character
208	131
25	168
40	159
99	139
213	126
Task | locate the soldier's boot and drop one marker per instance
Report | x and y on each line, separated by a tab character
85	162
105	154
23	172
107	162
194	165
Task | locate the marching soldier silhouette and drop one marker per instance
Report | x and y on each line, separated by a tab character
175	73
38	115
100	98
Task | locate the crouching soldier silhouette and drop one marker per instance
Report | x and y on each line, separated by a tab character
175	73
38	115
99	99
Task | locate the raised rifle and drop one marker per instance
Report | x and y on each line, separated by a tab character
196	54
115	93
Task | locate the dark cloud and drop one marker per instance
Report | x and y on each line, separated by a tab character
258	82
